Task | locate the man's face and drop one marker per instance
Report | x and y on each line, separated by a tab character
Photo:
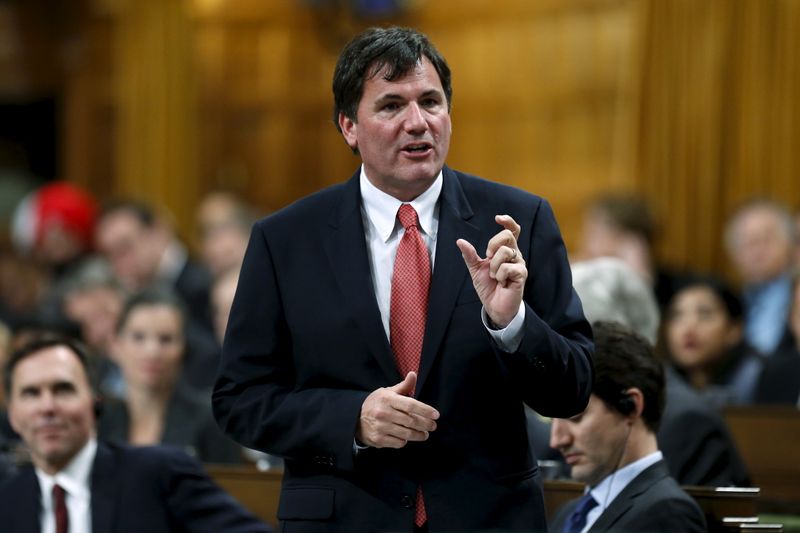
763	249
592	443
96	310
51	406
402	131
127	245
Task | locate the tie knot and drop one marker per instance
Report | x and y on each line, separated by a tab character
586	504
58	492
407	216
577	520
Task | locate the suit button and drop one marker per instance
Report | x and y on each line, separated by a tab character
407	501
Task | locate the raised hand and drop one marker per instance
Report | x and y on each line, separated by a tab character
499	278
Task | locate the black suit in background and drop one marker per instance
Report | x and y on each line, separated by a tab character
188	424
780	378
305	346
695	440
137	490
651	503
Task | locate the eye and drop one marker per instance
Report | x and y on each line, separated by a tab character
167	339
64	388
391	106
430	102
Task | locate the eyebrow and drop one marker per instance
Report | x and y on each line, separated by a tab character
394	96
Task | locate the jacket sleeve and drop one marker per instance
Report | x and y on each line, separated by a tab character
197	504
255	398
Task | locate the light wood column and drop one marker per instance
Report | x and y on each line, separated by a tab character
156	111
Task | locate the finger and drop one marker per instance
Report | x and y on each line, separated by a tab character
503	238
410	406
468	252
510	272
407	386
388	441
408	434
509	223
504	255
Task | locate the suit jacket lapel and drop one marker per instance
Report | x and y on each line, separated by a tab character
346	249
449	271
625	500
28	502
104	490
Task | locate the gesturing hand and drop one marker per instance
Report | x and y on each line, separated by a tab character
390	417
499	279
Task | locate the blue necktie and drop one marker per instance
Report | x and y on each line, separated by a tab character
577	520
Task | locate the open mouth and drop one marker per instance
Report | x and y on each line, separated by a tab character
417	148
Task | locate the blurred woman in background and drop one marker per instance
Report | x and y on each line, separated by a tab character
149	347
703	340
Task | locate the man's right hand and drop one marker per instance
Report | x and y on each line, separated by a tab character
390	417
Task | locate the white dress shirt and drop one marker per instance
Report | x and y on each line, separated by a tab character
383	232
74	479
608	489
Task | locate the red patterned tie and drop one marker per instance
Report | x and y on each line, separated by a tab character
409	307
60	507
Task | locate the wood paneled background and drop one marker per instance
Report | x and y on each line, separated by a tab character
692	103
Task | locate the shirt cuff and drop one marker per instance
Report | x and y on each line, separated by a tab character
357	447
510	337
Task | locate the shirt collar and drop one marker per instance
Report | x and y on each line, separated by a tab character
381	208
74	478
608	489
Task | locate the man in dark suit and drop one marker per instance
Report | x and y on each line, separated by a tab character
386	361
612	446
80	485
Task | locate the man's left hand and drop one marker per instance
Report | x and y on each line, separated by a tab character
499	278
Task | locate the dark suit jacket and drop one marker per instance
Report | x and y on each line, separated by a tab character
779	382
188	424
305	346
695	440
136	490
651	503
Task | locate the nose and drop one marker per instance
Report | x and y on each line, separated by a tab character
46	403
559	433
415	119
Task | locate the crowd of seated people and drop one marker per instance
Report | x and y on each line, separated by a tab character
154	319
151	314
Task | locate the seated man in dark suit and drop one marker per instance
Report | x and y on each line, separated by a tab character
80	485
612	446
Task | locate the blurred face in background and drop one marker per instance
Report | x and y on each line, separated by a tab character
699	330
761	246
51	406
223	239
96	310
129	246
149	347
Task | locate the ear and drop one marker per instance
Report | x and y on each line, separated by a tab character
637	398
349	129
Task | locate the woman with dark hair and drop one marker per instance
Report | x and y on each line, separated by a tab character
149	347
703	340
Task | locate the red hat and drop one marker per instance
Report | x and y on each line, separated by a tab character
57	204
